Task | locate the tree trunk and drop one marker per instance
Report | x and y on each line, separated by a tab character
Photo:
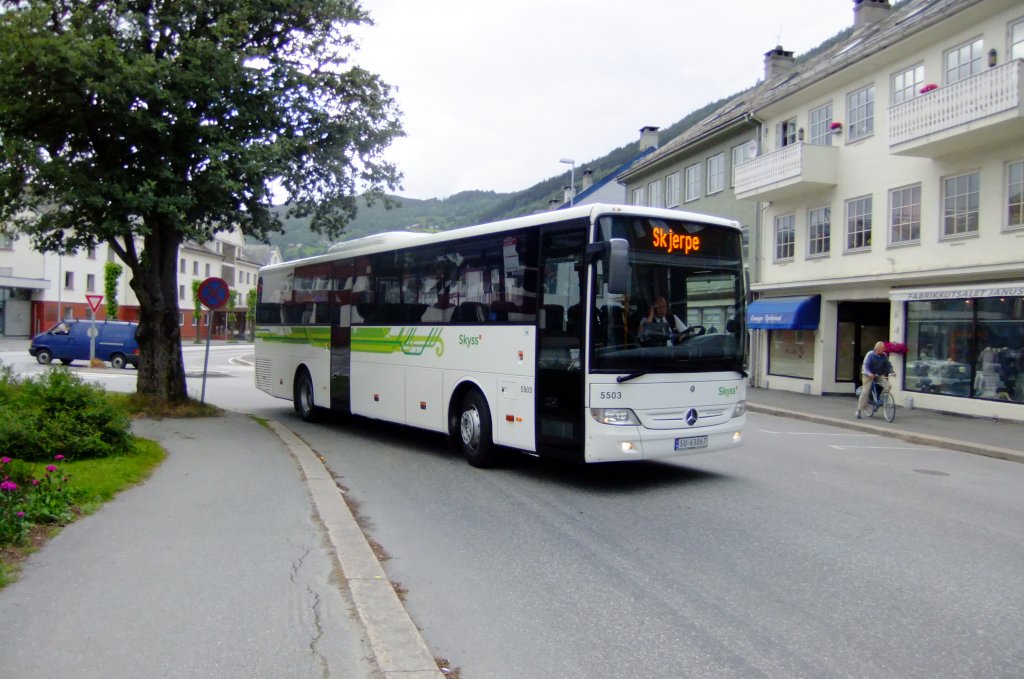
155	282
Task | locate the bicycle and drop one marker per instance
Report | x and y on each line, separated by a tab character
880	400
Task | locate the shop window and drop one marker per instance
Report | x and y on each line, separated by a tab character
791	353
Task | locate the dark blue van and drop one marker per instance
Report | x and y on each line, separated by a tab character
69	341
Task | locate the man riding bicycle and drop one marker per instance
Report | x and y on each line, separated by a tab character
876	367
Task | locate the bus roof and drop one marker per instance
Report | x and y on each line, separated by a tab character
391	240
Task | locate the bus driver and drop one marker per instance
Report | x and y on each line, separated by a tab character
660	326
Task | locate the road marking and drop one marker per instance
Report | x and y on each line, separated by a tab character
812	433
880	447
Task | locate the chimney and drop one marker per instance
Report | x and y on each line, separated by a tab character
553	204
569	193
648	137
867	12
588	179
777	62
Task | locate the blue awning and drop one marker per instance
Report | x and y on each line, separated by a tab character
785	313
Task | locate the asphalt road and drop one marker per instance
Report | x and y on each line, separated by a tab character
810	552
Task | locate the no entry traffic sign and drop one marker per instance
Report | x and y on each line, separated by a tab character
213	293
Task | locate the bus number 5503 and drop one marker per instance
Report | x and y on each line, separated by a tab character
610	395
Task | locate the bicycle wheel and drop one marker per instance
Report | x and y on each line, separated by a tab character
888	407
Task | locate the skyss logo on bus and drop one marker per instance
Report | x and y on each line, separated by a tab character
727	391
470	340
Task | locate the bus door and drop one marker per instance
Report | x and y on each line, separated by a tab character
561	348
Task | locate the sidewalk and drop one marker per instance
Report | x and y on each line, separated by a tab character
1002	439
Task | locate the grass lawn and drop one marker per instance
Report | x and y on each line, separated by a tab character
92	482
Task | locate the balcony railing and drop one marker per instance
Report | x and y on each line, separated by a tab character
982	109
789	171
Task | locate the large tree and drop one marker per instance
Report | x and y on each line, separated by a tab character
151	122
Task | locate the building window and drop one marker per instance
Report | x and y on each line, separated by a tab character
819	232
860	113
741	154
964	60
858	224
787	132
905	215
671	192
6	241
91	253
90	282
207	270
181	265
716	173
907	84
69	280
195	268
693	187
654	194
966	347
181	292
785	237
820	122
638	196
791	353
1015	194
960	204
1017	40
181	318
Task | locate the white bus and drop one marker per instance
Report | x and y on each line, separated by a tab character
522	334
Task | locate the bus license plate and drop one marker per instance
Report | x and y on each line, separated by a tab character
692	442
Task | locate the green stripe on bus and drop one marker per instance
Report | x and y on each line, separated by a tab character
396	340
317	337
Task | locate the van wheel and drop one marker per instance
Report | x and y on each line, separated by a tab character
474	431
117	361
44	356
303	397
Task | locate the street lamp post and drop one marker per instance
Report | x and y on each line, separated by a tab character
572	178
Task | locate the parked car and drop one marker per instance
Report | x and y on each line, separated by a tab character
69	341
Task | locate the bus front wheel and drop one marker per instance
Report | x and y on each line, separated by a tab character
304	403
474	431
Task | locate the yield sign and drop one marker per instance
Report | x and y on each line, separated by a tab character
94	302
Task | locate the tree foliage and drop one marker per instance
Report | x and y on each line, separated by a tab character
149	123
111	274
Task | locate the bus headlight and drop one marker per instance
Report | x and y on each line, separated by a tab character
740	409
615	416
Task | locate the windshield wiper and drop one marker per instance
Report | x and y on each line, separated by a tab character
631	376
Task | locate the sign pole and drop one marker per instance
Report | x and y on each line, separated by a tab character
213	293
206	359
94	304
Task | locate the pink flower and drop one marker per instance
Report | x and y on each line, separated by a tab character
35	482
929	87
8	485
20	515
51	468
5	460
836	126
58	457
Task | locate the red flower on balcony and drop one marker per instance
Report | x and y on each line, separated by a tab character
895	348
929	87
836	126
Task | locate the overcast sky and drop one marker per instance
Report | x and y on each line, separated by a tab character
494	93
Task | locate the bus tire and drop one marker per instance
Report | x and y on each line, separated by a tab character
303	397
474	431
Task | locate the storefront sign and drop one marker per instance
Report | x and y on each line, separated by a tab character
928	294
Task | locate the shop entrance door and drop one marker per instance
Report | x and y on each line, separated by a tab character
861	324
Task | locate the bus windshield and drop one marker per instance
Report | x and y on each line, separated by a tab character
683	307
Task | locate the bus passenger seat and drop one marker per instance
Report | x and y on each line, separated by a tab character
553	319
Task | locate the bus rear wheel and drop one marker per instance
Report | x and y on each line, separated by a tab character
303	397
474	431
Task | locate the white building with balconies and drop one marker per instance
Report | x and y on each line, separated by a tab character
890	185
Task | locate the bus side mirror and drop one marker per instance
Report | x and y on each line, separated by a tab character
618	266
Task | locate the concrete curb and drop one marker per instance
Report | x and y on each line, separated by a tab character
903	435
399	648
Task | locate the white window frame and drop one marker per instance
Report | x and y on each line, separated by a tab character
963	61
1015	193
785	238
181	265
860	113
90	282
907	84
638	196
6	241
819	124
1015	39
961	209
905	215
672	190
654	194
786	132
741	154
69	280
819	232
693	176
859	223
716	174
